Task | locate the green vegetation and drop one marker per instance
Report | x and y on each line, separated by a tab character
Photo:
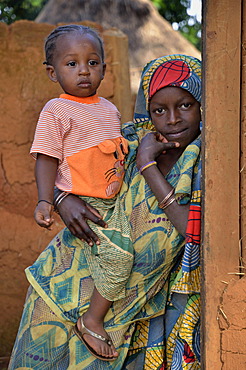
175	12
14	10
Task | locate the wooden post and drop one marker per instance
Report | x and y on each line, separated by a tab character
243	142
221	180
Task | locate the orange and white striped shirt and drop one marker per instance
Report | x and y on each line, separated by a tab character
84	134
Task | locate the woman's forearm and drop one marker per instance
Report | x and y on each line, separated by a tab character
176	213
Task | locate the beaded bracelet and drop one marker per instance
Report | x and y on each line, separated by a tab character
145	166
44	200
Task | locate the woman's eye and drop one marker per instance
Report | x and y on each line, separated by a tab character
159	111
71	64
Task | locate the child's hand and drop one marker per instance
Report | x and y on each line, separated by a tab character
43	215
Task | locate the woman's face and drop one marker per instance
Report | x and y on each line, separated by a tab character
175	114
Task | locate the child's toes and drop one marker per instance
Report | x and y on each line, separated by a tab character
113	352
107	351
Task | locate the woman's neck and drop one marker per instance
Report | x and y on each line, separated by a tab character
166	161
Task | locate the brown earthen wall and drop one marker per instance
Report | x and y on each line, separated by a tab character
24	90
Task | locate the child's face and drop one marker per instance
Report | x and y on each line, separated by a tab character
77	64
175	114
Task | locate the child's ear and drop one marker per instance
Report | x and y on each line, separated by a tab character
50	70
104	69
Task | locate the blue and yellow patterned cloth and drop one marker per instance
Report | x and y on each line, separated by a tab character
156	326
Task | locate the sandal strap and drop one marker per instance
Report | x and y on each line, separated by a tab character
93	334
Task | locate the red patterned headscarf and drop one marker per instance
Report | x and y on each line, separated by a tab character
171	70
170	73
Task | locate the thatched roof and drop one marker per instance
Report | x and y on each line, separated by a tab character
149	34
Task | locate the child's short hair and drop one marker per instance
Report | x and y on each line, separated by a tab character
50	43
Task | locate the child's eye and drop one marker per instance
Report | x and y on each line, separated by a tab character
186	105
71	64
93	62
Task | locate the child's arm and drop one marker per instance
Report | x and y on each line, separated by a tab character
45	172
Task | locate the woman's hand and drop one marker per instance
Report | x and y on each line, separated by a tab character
151	146
75	212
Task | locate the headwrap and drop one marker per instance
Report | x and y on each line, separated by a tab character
171	70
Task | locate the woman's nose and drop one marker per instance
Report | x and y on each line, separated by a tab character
173	117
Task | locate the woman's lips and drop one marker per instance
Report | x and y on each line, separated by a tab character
176	134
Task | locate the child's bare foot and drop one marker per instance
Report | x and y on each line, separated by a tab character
103	349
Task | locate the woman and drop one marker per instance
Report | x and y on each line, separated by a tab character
161	196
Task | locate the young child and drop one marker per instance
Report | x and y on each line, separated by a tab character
78	147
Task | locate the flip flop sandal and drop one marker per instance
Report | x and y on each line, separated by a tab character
84	330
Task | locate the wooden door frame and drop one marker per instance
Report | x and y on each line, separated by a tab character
222	178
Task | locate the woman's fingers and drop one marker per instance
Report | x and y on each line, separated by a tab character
82	230
75	213
79	232
151	146
153	140
98	218
171	145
